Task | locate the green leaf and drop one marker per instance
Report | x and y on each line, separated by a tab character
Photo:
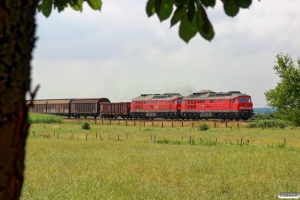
244	3
165	10
45	7
203	24
76	5
157	6
95	4
191	10
231	7
178	14
150	10
187	29
60	4
208	3
179	2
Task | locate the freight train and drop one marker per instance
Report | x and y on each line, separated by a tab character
232	105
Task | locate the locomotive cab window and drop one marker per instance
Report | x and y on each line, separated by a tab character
180	101
236	101
242	100
175	101
248	100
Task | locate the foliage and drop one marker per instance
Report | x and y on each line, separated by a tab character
262	117
86	126
268	123
203	127
191	14
286	95
45	6
43	118
168	141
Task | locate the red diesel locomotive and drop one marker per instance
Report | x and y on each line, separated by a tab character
150	106
222	105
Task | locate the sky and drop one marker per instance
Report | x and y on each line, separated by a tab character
120	53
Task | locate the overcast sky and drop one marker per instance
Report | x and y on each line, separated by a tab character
120	53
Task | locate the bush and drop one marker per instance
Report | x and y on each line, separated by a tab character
167	141
86	126
163	141
203	127
262	117
268	123
44	118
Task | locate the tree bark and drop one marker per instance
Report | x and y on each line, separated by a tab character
17	29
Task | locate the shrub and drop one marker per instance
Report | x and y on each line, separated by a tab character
263	117
44	118
203	127
86	126
268	123
163	141
167	141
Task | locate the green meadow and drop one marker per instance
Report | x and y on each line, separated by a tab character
115	161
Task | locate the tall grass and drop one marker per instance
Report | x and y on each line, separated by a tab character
44	118
106	169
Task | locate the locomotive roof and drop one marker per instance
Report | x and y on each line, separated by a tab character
214	95
164	96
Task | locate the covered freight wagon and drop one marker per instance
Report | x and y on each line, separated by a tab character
86	107
59	107
38	106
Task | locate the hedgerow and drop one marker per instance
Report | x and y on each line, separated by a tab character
268	123
44	118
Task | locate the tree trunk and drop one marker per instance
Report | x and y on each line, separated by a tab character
17	28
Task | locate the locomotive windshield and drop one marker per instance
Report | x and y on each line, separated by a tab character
179	101
248	100
242	100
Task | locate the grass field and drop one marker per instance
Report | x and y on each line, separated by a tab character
123	162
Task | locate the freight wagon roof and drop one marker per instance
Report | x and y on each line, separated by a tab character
35	102
214	95
59	101
164	96
105	103
90	100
